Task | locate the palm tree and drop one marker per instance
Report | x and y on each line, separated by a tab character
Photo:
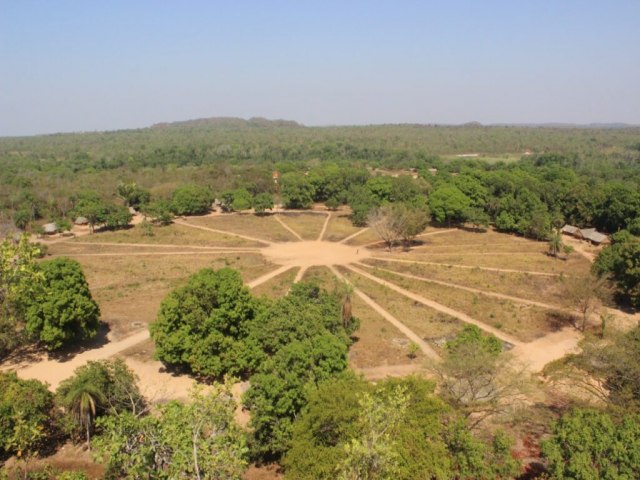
83	400
555	243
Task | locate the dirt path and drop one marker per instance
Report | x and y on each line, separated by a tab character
154	254
468	289
324	227
353	235
224	232
265	278
468	267
54	371
300	274
424	346
161	245
287	227
579	247
551	347
437	306
439	232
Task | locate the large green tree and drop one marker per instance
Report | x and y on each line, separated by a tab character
448	204
191	199
620	261
587	444
202	326
63	310
297	191
20	280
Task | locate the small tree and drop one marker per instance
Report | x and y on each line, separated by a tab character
411	221
132	195
262	202
386	224
191	200
477	378
585	295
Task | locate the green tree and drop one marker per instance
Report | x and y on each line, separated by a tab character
132	194
63	311
371	454
20	280
620	262
90	206
117	217
26	415
159	211
587	444
198	439
448	204
297	191
202	325
262	202
96	389
191	200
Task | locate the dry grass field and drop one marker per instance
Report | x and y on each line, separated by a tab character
307	225
339	228
278	286
264	227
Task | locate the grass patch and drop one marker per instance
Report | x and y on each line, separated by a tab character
429	324
339	228
307	225
170	234
277	286
524	322
261	227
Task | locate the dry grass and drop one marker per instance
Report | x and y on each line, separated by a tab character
261	227
378	342
277	286
536	262
524	322
307	225
522	285
431	325
129	290
339	227
171	234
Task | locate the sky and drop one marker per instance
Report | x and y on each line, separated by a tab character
91	65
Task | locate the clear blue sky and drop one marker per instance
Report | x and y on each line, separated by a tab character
104	65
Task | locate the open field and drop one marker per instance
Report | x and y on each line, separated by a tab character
432	326
278	286
525	322
170	234
262	227
307	225
339	228
523	285
129	289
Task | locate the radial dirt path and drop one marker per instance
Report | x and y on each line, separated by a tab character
437	306
288	228
265	278
468	267
224	232
353	235
410	334
161	245
54	371
300	274
154	254
324	227
468	289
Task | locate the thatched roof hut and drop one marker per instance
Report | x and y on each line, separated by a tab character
50	228
81	221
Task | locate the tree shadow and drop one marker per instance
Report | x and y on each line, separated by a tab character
557	320
68	353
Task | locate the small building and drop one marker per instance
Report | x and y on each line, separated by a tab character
50	228
594	236
589	234
81	221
